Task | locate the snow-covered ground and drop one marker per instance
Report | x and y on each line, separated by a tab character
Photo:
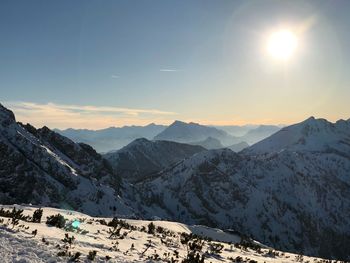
18	244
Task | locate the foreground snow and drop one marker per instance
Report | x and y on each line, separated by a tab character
19	244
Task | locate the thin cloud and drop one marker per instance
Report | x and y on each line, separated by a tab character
168	70
115	77
85	116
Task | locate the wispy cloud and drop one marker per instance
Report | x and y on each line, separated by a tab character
168	70
115	76
85	116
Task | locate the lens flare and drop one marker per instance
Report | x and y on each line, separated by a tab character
76	224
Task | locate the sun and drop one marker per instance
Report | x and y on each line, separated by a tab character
282	44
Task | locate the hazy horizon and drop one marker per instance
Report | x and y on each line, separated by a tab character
92	64
21	116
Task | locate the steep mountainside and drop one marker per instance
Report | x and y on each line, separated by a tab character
113	138
296	198
194	132
42	167
142	157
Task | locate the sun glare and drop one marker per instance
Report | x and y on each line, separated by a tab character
282	44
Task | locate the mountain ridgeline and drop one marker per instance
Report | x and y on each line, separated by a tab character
290	190
144	158
39	166
113	139
194	132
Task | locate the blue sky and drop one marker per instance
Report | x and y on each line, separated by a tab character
94	64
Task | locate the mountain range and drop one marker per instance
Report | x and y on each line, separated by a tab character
193	132
112	139
290	190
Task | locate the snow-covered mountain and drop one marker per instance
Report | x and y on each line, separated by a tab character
142	158
316	135
113	138
193	132
40	166
290	190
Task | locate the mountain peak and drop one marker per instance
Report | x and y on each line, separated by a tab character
177	122
6	115
309	135
141	140
311	118
191	132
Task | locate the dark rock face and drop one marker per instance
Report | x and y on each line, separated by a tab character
6	116
143	158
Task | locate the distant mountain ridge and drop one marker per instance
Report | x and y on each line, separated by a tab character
209	143
112	138
238	146
259	133
142	158
183	132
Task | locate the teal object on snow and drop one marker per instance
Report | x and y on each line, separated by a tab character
76	224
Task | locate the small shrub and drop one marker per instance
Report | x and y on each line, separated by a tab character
56	220
151	228
68	240
215	248
16	215
92	255
75	258
37	215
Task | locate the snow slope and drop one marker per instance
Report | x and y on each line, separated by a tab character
19	245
